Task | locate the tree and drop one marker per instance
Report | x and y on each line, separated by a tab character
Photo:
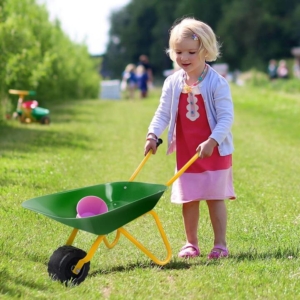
254	31
251	32
208	11
139	28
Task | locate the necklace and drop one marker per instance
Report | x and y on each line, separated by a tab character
188	88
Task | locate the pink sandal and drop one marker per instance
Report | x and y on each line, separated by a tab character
189	251
218	252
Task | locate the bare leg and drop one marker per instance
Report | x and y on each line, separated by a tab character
190	212
218	217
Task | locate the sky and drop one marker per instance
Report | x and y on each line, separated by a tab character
85	21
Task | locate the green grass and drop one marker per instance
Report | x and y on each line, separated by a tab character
94	141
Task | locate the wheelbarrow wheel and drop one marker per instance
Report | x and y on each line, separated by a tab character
62	262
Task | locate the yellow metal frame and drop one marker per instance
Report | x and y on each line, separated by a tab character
121	230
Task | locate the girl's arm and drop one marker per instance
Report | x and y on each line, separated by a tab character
221	109
161	117
224	111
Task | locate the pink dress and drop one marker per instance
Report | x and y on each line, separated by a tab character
206	179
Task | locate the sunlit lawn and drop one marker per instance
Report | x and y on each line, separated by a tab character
96	141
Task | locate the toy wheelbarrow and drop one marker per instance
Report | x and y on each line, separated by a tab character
125	200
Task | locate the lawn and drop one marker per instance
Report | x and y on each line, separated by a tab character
92	142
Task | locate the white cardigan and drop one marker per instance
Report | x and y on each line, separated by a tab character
218	104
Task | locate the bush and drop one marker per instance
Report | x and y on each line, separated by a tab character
260	79
37	55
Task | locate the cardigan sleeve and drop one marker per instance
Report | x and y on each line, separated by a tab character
162	114
224	111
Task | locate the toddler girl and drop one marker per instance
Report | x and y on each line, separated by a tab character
197	108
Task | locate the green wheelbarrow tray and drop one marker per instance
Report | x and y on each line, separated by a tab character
126	201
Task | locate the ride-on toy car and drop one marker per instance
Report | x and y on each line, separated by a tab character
29	111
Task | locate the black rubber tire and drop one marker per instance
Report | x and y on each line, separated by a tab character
61	263
45	120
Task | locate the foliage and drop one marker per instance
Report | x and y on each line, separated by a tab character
291	86
251	31
37	55
259	30
85	146
259	79
140	28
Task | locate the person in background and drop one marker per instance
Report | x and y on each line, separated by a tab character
144	61
197	108
282	70
142	81
272	69
296	68
129	83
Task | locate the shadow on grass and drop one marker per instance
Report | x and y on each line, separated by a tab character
279	253
18	138
174	265
29	139
63	114
29	256
14	286
66	115
8	182
275	253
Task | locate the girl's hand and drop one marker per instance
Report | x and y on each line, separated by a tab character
206	148
150	144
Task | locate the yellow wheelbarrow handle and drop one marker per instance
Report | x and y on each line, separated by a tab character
159	142
179	173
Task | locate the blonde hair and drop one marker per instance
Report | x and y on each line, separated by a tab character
192	29
130	68
140	69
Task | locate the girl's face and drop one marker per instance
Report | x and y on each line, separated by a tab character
188	58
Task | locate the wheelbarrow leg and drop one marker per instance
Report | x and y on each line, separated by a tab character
145	250
72	237
111	245
89	255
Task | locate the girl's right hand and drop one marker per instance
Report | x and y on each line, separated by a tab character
150	144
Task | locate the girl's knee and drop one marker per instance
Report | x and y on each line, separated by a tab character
216	204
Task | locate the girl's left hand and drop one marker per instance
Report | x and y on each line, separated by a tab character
206	148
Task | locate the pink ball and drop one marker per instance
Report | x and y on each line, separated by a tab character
90	206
